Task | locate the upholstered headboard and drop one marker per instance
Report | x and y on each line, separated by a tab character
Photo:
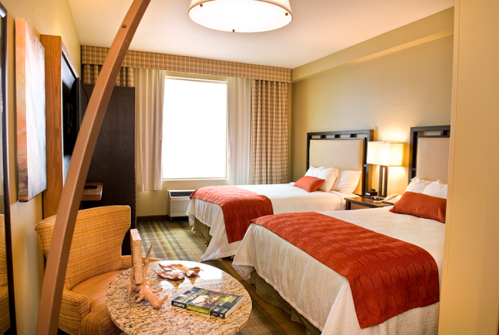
430	148
344	150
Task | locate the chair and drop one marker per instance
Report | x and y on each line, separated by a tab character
4	288
94	260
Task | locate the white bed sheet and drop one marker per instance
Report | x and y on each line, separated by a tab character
285	198
322	295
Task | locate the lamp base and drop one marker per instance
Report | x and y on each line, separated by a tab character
383	180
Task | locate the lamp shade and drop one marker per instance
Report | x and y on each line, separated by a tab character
384	153
241	16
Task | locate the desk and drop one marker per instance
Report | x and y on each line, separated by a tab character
141	318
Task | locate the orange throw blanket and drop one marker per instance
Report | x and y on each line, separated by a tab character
387	276
239	207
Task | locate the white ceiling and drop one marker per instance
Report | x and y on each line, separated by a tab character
319	28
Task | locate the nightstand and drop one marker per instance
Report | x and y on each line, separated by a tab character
362	203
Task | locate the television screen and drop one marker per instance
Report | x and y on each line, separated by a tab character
70	119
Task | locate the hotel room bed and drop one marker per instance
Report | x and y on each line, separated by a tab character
324	297
344	150
285	198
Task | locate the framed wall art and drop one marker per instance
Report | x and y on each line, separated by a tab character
30	110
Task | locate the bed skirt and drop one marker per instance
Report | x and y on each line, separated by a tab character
268	294
201	230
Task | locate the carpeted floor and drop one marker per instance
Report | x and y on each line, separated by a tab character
174	240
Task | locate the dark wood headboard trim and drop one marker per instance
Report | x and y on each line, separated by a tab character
365	134
416	133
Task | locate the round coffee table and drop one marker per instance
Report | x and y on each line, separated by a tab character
142	318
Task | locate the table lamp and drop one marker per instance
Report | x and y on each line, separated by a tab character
384	154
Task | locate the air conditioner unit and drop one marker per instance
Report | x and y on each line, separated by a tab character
179	201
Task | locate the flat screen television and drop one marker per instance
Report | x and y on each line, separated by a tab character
71	116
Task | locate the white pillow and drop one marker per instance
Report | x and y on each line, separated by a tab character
347	181
417	185
436	189
313	171
329	175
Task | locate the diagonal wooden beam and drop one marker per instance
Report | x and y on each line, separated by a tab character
53	281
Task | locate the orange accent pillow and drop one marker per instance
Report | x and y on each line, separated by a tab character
309	184
421	205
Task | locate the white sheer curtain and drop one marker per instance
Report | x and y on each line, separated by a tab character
240	158
149	96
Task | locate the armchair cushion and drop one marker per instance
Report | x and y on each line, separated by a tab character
96	244
3	254
97	321
4	307
74	307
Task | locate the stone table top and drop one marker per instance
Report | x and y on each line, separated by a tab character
142	318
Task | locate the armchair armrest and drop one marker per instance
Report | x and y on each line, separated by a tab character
126	261
74	307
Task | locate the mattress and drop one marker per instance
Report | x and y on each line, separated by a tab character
285	198
323	296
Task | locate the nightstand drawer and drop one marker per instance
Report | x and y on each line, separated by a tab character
357	206
362	203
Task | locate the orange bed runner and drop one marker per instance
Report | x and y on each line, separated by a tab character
387	276
239	207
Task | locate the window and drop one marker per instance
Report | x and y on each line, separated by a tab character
194	129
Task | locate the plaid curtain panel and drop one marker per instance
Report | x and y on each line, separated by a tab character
91	55
91	72
270	132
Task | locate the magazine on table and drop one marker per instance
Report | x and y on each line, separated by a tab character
208	302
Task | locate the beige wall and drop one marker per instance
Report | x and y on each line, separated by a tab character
470	283
421	31
51	17
406	87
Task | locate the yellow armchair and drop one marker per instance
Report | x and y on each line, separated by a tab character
4	288
94	260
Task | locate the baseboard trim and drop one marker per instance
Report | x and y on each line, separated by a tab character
152	218
160	218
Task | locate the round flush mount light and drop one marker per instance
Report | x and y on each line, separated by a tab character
241	16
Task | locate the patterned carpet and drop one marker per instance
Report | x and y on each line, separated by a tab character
174	240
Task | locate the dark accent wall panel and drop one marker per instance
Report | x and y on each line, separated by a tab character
113	161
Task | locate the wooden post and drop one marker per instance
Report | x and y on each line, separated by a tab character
53	281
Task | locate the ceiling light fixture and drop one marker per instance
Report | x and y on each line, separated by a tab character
241	16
